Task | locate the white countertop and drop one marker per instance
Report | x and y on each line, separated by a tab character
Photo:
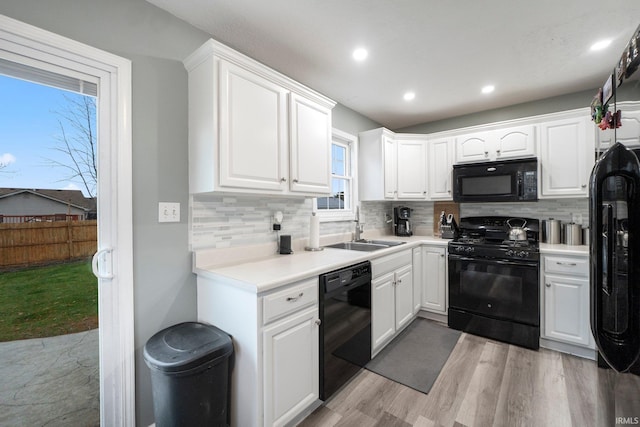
546	248
267	273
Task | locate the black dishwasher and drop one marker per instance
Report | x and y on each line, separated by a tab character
345	327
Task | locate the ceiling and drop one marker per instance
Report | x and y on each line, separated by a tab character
444	51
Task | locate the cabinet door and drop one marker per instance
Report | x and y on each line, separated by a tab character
390	170
566	309
473	148
291	367
627	134
382	310
417	279
566	157
515	142
440	160
403	297
253	131
411	169
310	146
434	279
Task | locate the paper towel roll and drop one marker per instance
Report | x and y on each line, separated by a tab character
314	231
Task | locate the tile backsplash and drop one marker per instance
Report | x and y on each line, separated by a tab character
220	221
561	209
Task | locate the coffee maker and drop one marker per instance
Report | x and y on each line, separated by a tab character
401	223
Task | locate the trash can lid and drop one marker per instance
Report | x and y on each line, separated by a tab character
185	346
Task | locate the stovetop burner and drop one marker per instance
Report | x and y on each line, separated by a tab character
489	237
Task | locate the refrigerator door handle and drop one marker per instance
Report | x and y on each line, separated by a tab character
609	244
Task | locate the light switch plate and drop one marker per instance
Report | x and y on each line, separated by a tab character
168	212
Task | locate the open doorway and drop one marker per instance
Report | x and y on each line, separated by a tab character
48	224
42	51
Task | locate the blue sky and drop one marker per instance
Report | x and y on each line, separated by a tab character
28	131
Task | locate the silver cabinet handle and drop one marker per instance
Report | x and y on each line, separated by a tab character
584	185
283	179
498	152
295	181
548	285
399	281
318	322
441	255
294	299
486	153
570	264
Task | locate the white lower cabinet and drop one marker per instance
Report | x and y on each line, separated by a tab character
565	287
290	366
276	341
392	297
417	279
434	279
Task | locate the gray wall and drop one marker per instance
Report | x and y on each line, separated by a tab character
534	108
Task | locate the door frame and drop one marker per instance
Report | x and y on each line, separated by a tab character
29	45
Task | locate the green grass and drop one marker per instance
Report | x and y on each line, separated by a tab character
48	301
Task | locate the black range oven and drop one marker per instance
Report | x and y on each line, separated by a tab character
494	281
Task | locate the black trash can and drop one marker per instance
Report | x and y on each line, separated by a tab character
191	366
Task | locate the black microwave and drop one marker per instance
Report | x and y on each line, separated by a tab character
503	181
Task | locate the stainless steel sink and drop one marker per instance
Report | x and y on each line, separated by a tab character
382	242
365	245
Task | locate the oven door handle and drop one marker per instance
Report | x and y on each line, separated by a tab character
494	261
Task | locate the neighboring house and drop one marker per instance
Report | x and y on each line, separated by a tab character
32	205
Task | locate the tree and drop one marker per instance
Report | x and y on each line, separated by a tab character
78	141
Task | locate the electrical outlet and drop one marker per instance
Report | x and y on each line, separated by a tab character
168	212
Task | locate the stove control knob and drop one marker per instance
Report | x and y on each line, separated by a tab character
510	253
523	254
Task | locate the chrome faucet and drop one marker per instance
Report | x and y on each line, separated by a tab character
359	226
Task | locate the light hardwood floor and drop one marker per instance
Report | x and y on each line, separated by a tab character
489	383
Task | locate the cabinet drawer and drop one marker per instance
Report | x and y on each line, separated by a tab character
567	265
389	263
292	299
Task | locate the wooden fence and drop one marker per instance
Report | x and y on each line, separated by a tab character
38	243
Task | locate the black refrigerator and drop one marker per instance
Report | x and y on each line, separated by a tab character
614	217
614	199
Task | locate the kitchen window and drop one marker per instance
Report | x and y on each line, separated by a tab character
340	205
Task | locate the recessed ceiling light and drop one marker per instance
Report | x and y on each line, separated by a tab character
409	96
488	89
602	44
360	54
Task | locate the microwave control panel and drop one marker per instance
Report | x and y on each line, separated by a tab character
529	185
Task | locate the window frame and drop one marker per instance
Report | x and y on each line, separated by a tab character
351	142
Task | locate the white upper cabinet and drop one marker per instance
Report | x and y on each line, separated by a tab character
252	109
440	162
411	169
497	144
310	129
474	147
392	167
566	157
253	130
390	160
627	134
